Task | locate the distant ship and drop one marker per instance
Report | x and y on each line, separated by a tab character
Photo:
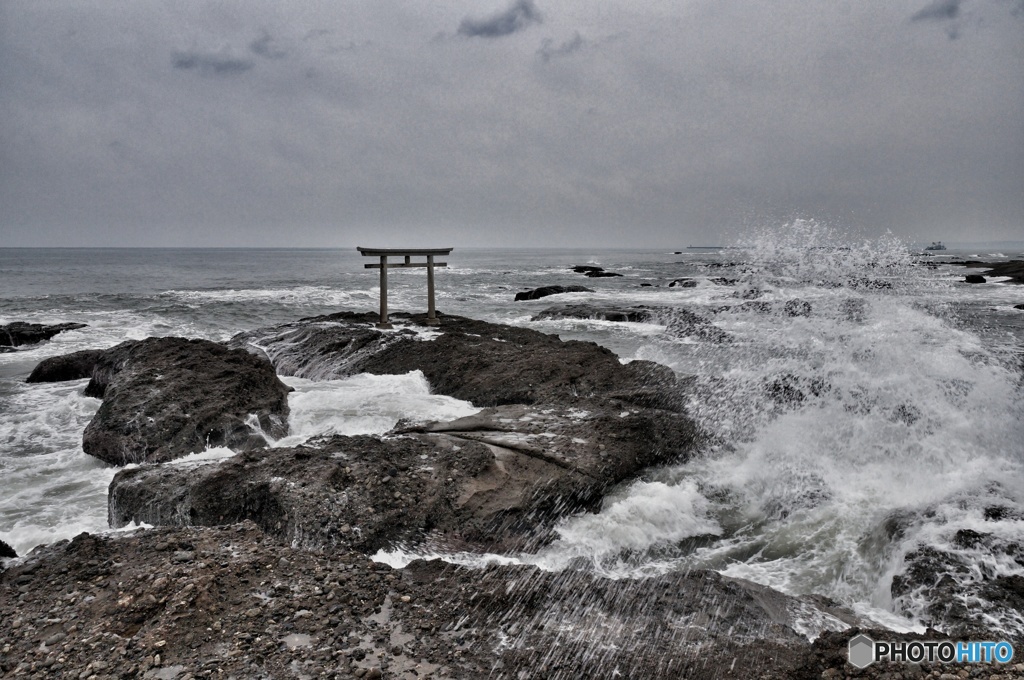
936	245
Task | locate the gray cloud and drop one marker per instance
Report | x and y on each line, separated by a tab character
548	50
519	15
939	10
265	47
210	63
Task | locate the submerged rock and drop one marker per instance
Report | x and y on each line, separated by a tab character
20	333
601	275
545	291
164	398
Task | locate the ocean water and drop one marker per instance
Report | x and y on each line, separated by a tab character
890	389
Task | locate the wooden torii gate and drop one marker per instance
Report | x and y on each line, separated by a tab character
408	254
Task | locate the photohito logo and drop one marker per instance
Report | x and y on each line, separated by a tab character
863	651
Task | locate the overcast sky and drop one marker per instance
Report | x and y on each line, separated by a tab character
534	123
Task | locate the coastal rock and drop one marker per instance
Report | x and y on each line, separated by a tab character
480	362
247	607
601	275
962	592
566	420
683	283
1020	306
494	481
20	333
545	291
6	550
74	366
164	398
684	323
796	307
1014	269
637	314
584	268
974	278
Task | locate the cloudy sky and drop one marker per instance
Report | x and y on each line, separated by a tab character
484	122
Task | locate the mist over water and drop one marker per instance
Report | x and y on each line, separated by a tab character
859	407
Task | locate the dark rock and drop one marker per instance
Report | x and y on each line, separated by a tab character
790	390
21	333
74	366
495	481
1021	306
684	323
646	285
484	363
638	313
584	268
568	421
722	281
683	283
797	307
545	291
974	278
228	611
750	293
6	550
962	601
600	275
164	398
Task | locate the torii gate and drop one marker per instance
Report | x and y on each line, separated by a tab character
408	254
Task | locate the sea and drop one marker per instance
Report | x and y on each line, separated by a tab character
901	393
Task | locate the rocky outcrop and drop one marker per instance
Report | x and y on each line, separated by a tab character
168	603
74	366
585	268
601	275
683	283
545	291
6	550
638	313
684	323
164	398
483	363
20	333
564	421
974	278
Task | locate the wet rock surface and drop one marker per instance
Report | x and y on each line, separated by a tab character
563	421
545	291
164	398
21	333
7	551
218	602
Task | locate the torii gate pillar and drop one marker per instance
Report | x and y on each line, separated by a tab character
407	254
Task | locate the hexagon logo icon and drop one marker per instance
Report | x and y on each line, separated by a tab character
862	651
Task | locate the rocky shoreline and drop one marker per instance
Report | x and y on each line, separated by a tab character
258	565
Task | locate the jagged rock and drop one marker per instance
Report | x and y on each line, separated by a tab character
584	268
74	366
21	333
484	363
567	420
258	608
496	480
6	550
1020	306
974	278
683	283
640	313
167	397
684	323
545	291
